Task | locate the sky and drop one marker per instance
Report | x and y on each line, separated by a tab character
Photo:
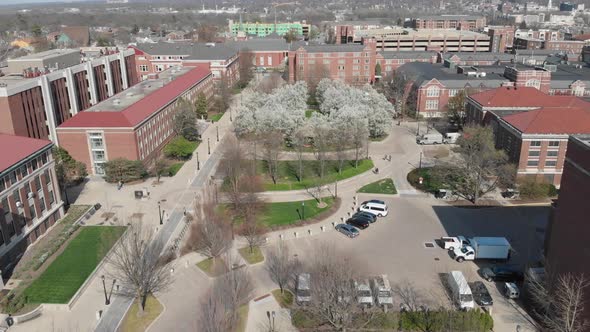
16	2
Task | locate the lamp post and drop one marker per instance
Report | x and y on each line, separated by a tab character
208	146
161	213
336	189
107	297
271	323
420	164
198	162
217	132
303	210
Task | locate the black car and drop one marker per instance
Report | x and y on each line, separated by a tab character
359	223
365	215
481	295
501	273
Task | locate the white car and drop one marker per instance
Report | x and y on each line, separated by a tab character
452	242
382	290
303	291
363	293
378	209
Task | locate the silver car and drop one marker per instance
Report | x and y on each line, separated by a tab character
347	230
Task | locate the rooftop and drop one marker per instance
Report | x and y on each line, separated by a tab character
481	56
330	48
524	97
408	54
132	106
189	51
552	120
45	54
406	33
449	17
425	72
16	148
583	139
260	44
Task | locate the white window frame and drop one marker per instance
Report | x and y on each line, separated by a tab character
433	91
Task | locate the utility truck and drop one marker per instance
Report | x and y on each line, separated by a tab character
497	248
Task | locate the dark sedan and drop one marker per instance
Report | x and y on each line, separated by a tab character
359	223
501	273
481	295
365	215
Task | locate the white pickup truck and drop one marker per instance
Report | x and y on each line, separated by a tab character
452	242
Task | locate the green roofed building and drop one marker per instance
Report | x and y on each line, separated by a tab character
265	29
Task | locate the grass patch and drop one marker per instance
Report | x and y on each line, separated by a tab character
213	267
216	117
285	300
287	178
67	273
286	213
378	138
136	322
174	168
242	318
429	184
253	257
309	112
384	186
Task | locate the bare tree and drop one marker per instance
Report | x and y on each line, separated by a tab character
359	134
280	265
254	233
334	294
272	144
138	265
299	142
219	308
232	163
340	140
321	144
247	59
269	83
481	169
560	300
397	87
211	232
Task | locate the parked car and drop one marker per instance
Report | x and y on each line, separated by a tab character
303	291
481	295
376	201
359	223
347	230
510	290
382	290
364	296
501	273
365	215
377	209
452	242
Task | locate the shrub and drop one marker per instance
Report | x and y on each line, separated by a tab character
180	148
124	170
429	183
534	190
173	169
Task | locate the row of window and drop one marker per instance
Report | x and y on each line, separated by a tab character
12	177
535	163
550	153
538	143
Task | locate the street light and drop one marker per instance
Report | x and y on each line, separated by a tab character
217	130
107	298
198	162
303	209
420	164
161	213
208	146
271	323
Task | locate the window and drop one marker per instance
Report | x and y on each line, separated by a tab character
536	143
98	155
553	143
51	198
311	62
27	188
431	105
12	177
32	210
432	91
532	163
38	183
2	184
452	92
533	83
34	164
44	158
42	204
552	153
326	62
143	68
534	153
551	163
340	67
24	171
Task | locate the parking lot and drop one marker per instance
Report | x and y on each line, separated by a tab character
402	245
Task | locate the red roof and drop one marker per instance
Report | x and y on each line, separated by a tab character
552	120
142	109
16	148
524	97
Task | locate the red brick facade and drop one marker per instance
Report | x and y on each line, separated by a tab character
450	22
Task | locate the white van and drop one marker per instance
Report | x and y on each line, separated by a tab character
303	291
451	138
460	291
382	290
377	209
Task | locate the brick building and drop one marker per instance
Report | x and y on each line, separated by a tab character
390	61
353	64
266	52
440	40
501	38
220	59
532	127
525	76
34	102
30	200
568	235
573	48
459	22
344	31
475	59
264	29
135	124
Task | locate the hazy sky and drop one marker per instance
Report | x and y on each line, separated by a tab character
16	2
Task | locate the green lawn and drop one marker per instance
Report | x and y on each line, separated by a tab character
285	213
285	300
134	321
287	173
67	273
174	168
429	184
212	267
384	186
242	318
308	113
215	117
253	257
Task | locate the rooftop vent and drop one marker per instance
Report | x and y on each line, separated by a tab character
116	102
